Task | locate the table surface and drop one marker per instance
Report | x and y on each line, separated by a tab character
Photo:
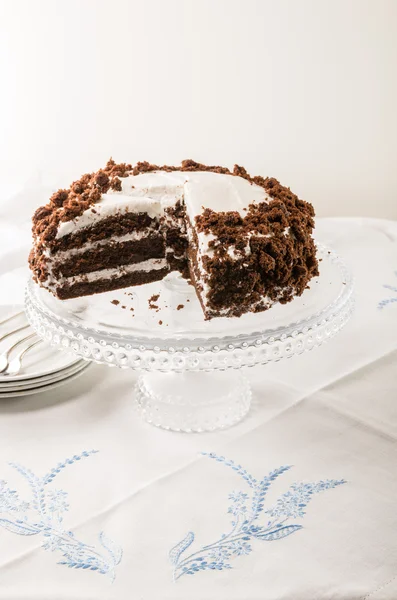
296	502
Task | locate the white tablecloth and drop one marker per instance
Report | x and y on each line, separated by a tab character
179	519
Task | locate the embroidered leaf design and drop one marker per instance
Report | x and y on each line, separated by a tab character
18	527
391	300
261	490
246	508
62	465
36	485
81	565
49	506
278	534
177	550
27	473
114	550
252	482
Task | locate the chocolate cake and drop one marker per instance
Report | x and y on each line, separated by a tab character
244	242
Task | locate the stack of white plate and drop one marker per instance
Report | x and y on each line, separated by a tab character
43	367
51	373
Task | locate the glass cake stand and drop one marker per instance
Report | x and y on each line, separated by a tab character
190	370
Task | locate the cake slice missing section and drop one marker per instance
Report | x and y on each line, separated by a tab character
244	242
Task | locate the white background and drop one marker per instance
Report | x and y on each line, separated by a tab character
302	90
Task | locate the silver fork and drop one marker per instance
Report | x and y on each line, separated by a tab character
15	364
5	357
11	317
6	335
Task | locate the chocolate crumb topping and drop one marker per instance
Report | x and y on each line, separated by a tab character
264	255
115	184
66	205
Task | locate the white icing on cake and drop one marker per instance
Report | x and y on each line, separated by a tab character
152	192
109	206
220	193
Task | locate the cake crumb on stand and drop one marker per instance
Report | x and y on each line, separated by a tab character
152	302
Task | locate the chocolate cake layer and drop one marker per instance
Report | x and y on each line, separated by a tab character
85	288
107	228
111	255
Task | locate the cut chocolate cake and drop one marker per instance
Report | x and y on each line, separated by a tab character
244	242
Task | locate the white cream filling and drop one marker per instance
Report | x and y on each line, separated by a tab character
109	206
134	236
152	264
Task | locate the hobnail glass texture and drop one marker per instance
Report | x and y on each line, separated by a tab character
169	336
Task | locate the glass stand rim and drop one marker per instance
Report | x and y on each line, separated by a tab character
204	354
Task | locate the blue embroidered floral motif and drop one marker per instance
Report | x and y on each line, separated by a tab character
246	510
43	515
387	301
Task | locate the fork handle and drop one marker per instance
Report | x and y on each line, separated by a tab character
19	342
6	335
15	365
21	312
22	354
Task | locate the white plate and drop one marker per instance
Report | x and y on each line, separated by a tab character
44	388
41	361
6	381
33	383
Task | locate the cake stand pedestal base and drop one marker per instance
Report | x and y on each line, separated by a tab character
193	401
